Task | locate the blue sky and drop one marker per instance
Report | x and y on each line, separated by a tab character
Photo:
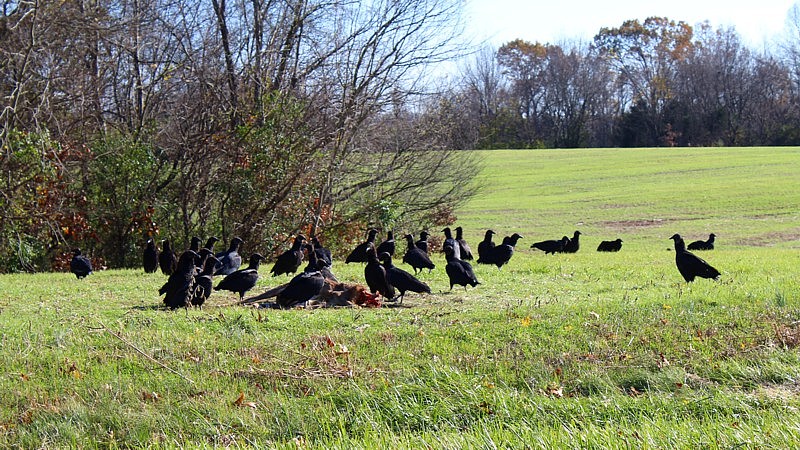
499	21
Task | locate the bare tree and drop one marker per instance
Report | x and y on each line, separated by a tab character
481	98
379	67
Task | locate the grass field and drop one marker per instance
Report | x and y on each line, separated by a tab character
585	350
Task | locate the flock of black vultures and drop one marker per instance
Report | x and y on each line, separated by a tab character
191	274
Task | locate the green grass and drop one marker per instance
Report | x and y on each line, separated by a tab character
577	351
748	196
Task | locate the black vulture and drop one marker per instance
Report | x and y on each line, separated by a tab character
195	244
242	280
416	257
202	253
458	271
388	245
150	257
503	252
422	243
210	243
375	275
317	264
573	245
300	289
691	265
289	261
450	242
204	280
400	279
466	252
80	265
322	252
486	248
229	260
703	245
359	254
179	288
551	246
610	246
167	259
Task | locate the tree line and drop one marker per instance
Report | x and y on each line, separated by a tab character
657	82
128	119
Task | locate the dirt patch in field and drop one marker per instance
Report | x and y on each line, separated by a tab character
771	239
623	225
770	215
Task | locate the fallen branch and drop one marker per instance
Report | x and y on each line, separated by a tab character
141	352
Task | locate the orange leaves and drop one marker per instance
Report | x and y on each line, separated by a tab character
555	390
240	401
520	56
70	369
150	396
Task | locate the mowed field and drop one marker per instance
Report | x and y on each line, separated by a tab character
749	197
586	350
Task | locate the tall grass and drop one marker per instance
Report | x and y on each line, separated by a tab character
575	351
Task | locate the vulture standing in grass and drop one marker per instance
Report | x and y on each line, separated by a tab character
422	243
375	275
204	254
242	280
703	245
387	246
80	265
574	244
167	259
289	261
204	281
450	242
322	252
229	260
466	252
690	265
486	248
551	246
416	257
317	264
502	253
459	272
610	246
179	288
210	243
400	279
194	245
359	254
150	257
